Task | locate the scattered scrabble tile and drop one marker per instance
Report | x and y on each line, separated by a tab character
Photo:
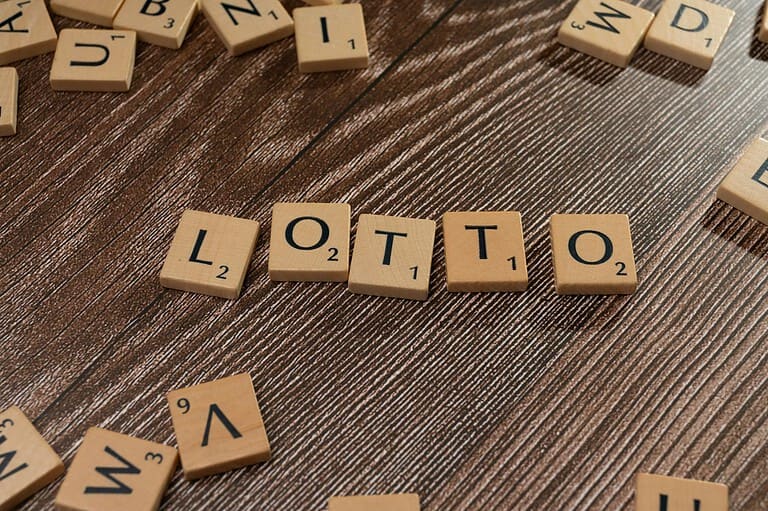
746	186
484	251
244	25
94	60
610	30
27	462
100	12
689	30
218	426
161	23
26	30
330	38
395	502
593	254
309	242
660	493
116	472
392	257
763	32
210	254
9	100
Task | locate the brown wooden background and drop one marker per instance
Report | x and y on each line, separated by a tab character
494	401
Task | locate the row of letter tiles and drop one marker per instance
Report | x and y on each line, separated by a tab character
329	37
746	185
9	100
484	252
612	30
218	428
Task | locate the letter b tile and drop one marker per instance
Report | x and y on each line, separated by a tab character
392	257
116	472
94	60
210	254
661	493
161	22
689	30
218	426
593	254
610	30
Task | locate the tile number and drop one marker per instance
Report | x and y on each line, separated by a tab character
224	270
183	403
352	43
513	260
154	456
7	423
273	14
622	269
415	270
709	41
170	23
334	254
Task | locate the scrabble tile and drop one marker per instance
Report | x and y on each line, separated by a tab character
100	12
763	32
610	30
116	472
27	462
330	38
593	254
244	25
660	493
9	100
392	257
395	502
94	60
210	254
484	251
164	24
218	426
309	242
26	30
689	30
746	186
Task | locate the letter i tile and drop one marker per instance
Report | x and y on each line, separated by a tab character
218	426
116	472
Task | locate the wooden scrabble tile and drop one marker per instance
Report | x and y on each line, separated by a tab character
116	472
689	30
392	257
309	242
26	30
330	38
746	186
161	23
610	30
484	251
395	502
94	60
27	462
244	25
660	493
9	100
99	13
593	254
210	254
218	426
763	32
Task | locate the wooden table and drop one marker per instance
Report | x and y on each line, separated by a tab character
474	401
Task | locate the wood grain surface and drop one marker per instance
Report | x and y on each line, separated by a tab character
474	401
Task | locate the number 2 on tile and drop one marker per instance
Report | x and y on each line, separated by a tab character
224	270
622	267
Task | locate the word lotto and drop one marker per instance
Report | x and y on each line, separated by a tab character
219	428
330	36
484	252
